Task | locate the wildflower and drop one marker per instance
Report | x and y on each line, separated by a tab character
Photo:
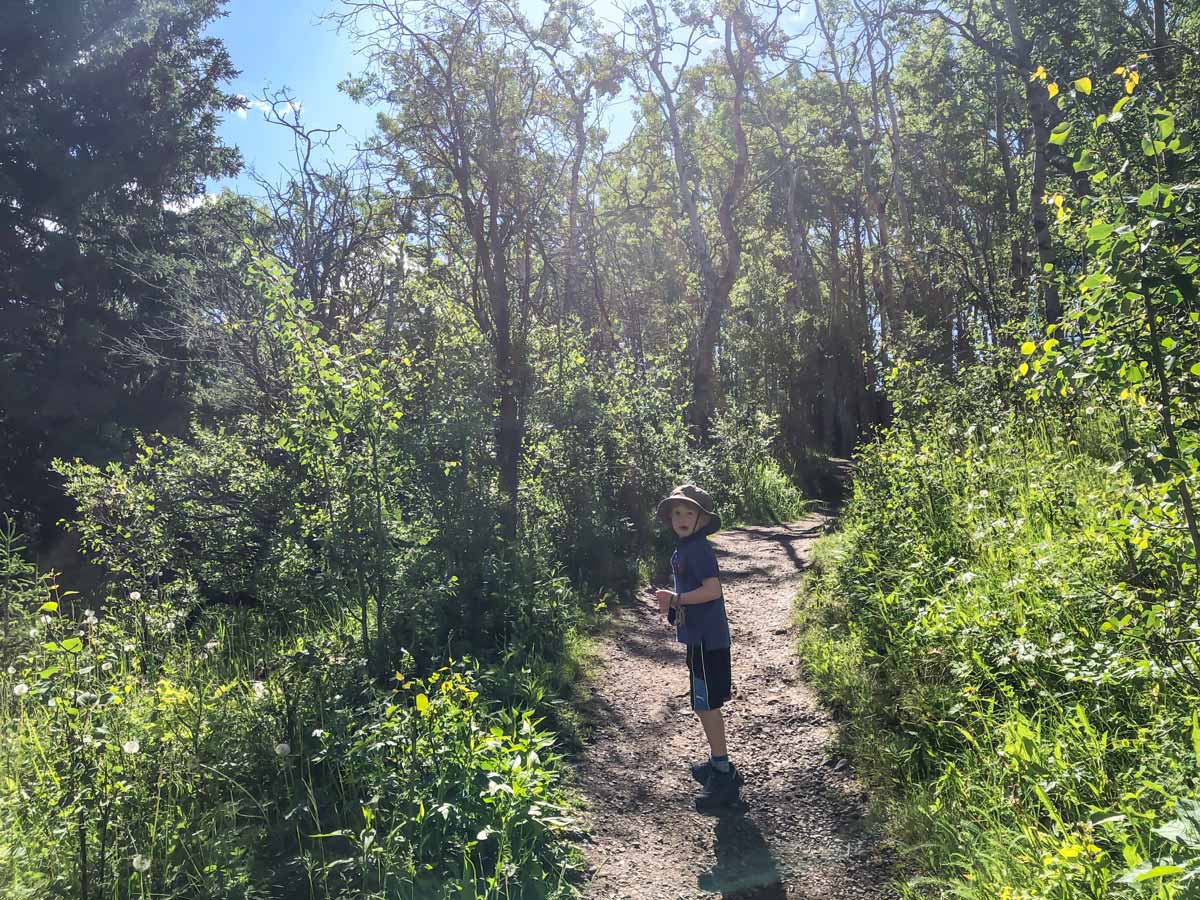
141	863
985	493
21	689
170	626
45	620
106	667
12	670
318	732
283	748
128	648
135	596
211	645
132	746
260	689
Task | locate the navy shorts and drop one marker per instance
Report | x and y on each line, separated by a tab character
711	681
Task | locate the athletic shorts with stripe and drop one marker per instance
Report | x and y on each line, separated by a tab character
710	676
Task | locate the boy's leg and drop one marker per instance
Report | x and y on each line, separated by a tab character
714	730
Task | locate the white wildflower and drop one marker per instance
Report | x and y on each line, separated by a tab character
21	689
966	577
106	667
260	689
283	748
985	493
135	596
318	732
141	863
132	746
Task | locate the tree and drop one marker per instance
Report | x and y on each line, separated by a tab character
469	134
109	113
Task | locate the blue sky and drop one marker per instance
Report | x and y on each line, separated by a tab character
282	43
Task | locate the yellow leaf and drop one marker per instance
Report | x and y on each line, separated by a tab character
422	704
1058	200
1083	85
1143	56
1039	74
1028	347
1052	89
1119	70
1024	368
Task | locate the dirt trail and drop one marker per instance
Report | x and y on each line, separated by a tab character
800	832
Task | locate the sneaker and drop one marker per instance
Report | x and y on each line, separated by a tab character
720	789
700	772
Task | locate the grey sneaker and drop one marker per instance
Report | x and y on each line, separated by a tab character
720	790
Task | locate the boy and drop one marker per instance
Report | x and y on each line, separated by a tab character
697	608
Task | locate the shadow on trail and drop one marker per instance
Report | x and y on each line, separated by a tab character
745	869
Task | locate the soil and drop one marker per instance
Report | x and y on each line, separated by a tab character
800	830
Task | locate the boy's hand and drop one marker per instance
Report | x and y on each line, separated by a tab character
664	598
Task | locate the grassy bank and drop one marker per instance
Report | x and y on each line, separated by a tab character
982	624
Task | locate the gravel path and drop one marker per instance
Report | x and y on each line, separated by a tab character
800	832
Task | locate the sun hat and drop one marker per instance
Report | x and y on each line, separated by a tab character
688	493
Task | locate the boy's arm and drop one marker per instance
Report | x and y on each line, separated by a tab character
710	589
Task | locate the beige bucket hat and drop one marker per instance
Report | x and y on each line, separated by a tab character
688	493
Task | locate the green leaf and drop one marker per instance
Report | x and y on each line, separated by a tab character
1166	123
1195	370
1168	344
1149	195
1060	132
1147	147
1100	231
72	645
1195	717
1185	827
50	606
1133	374
1085	163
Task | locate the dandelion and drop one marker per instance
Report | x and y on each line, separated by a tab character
283	748
135	596
260	689
985	493
21	689
141	863
106	667
132	746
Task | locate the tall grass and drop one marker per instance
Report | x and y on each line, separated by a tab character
257	758
978	623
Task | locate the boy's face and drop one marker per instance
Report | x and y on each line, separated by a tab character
685	518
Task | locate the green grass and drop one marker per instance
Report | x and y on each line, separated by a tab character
254	758
975	625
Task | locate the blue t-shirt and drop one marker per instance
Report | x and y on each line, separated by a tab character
698	623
